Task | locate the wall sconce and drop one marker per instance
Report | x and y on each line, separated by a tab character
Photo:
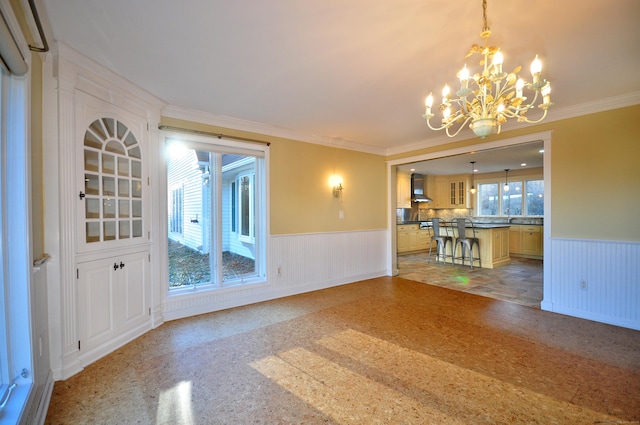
336	186
337	190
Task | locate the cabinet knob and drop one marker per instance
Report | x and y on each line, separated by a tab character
115	266
82	195
121	264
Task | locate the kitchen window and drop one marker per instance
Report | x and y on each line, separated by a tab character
218	206
525	197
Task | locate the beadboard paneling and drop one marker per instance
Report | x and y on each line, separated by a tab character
296	264
610	271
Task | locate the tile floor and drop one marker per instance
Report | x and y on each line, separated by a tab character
381	351
519	282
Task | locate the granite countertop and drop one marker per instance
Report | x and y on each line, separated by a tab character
487	224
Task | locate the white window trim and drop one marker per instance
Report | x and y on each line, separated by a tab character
223	145
250	238
16	356
500	182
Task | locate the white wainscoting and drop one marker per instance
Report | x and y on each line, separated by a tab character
296	264
610	271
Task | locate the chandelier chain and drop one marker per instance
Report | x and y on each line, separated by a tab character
485	27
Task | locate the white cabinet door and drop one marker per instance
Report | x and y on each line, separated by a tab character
113	301
112	184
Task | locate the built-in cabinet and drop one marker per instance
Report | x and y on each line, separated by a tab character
411	238
403	190
451	192
113	301
112	207
500	245
97	192
526	240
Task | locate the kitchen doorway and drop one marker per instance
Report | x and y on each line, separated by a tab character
523	281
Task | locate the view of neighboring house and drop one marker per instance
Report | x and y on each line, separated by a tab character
191	189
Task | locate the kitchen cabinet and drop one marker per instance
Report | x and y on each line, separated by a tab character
451	192
441	195
526	241
403	190
494	247
112	301
500	244
411	238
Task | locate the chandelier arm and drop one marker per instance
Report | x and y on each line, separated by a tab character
462	125
495	95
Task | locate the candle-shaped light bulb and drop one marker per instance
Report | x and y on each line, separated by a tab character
429	103
497	62
463	75
519	87
546	93
446	114
445	93
500	108
536	68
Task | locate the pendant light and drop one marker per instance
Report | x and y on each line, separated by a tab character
473	181
506	179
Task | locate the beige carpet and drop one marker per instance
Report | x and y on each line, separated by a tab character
387	351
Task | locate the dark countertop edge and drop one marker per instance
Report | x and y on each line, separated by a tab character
477	223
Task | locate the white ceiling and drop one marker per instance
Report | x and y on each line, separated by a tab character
355	72
486	161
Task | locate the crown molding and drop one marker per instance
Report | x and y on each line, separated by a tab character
172	111
557	114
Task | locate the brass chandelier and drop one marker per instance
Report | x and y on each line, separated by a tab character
485	100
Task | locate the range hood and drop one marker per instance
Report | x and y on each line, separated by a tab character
417	189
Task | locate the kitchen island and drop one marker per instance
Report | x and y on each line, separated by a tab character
494	241
494	244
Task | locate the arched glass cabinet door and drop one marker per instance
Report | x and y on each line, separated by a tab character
113	192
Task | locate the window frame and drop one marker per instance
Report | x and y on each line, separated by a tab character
257	159
513	181
249	237
16	351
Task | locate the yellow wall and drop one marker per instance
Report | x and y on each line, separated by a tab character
595	166
300	195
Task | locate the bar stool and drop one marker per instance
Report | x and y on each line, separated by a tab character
441	242
466	241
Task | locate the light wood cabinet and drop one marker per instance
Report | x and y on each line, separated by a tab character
515	240
403	190
526	240
494	247
532	240
411	238
441	195
500	245
451	192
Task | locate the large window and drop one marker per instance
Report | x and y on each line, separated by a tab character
16	363
524	197
216	214
488	200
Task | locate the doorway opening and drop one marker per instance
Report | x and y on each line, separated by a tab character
522	280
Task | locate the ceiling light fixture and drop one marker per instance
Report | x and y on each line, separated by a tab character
506	180
473	181
495	95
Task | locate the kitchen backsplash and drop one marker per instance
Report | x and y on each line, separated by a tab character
425	214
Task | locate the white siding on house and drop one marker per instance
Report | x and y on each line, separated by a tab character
183	171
